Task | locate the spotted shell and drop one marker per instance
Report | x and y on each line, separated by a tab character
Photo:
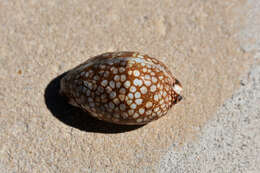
122	88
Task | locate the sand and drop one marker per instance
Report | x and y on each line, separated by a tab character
40	40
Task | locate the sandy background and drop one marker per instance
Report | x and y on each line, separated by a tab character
230	141
40	40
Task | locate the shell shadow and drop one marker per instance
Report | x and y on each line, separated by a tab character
75	117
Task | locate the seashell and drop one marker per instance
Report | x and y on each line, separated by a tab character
122	87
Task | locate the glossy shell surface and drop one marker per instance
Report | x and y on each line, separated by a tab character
122	88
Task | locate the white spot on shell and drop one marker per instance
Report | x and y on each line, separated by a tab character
87	74
127	84
137	95
111	105
140	56
148	112
121	97
88	92
124	115
156	98
133	106
132	89
164	93
129	102
138	82
149	104
131	112
122	91
96	77
147	76
161	102
102	66
112	84
136	115
114	70
153	88
108	89
143	90
156	109
139	120
160	96
104	83
116	101
88	84
136	73
147	83
139	101
118	84
130	95
112	95
121	69
154	80
123	78
141	110
117	77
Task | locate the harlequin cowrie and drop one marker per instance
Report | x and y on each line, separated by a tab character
122	87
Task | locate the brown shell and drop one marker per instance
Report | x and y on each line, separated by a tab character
122	88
